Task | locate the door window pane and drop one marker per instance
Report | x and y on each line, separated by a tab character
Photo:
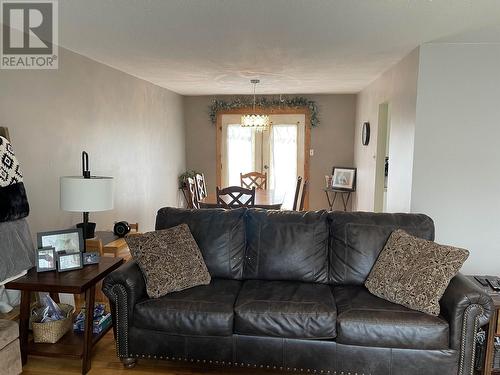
283	155
240	152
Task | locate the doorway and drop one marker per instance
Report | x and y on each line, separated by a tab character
278	151
382	166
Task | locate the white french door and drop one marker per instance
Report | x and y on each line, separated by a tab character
279	152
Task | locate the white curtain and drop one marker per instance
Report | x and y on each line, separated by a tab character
240	152
283	160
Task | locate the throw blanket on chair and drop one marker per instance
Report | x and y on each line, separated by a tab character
13	201
17	253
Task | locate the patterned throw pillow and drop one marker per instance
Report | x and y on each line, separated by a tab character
414	272
169	259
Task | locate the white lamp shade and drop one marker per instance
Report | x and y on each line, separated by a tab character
80	194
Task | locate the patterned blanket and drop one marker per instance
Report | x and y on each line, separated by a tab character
17	252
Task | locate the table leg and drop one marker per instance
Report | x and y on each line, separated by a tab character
24	317
330	204
89	323
346	201
488	361
55	297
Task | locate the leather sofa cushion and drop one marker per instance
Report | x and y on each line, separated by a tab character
219	233
357	238
286	245
287	309
366	320
203	310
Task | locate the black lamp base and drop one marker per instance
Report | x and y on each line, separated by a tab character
88	229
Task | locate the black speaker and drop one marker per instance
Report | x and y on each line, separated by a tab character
121	228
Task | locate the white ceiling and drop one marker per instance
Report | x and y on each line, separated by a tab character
204	47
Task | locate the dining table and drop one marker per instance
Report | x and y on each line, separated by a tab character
263	199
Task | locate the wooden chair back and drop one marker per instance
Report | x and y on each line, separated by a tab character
134	226
94	245
209	205
253	179
304	192
201	187
191	193
235	197
297	192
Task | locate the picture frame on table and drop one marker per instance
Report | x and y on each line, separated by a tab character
91	258
69	262
46	259
344	178
63	241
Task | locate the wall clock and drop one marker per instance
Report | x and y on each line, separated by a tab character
365	135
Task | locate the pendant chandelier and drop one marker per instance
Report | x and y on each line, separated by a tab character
253	120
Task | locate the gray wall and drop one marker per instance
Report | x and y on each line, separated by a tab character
398	87
456	175
132	129
332	141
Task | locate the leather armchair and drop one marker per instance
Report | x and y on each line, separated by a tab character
466	307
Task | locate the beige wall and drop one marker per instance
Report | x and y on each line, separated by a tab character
332	141
132	129
398	87
456	178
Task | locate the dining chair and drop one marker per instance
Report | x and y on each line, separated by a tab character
201	187
297	192
304	192
235	197
191	193
253	179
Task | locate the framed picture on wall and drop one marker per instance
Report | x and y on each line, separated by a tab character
344	178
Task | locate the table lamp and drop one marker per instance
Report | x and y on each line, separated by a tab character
86	194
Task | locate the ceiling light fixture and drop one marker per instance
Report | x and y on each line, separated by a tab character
254	120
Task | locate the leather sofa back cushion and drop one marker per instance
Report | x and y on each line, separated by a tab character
357	238
286	245
220	235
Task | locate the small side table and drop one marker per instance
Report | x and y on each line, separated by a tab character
492	329
71	345
345	195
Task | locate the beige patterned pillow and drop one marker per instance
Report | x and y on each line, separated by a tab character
414	272
169	259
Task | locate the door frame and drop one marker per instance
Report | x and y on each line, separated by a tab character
269	111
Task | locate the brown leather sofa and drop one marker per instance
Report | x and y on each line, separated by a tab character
287	293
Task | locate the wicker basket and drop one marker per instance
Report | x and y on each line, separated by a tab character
51	332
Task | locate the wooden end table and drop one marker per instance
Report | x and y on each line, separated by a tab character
344	194
72	345
492	330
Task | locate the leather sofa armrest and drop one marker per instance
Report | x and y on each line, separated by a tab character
466	307
124	287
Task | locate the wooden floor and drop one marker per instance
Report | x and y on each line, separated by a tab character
105	362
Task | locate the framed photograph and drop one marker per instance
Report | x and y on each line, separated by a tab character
344	178
64	241
46	259
91	258
69	262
